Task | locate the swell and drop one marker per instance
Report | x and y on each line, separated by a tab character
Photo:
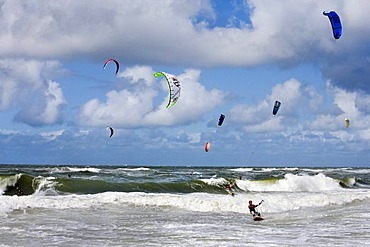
12	185
28	184
83	186
17	184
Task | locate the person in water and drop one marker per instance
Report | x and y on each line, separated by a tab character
252	208
229	189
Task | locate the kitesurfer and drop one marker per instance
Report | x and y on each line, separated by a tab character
252	208
229	189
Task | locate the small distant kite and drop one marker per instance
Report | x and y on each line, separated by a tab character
173	86
346	120
276	107
336	25
111	131
207	147
110	60
221	119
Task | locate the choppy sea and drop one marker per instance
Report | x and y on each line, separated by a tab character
44	205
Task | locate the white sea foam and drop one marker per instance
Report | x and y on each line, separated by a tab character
84	169
241	169
358	171
8	181
337	218
280	169
292	183
214	181
199	202
45	186
135	169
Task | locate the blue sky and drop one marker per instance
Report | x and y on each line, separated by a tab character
231	57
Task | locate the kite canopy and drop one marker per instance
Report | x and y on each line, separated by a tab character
110	60
207	147
346	120
335	23
111	131
276	107
221	119
173	86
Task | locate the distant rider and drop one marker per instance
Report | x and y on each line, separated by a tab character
229	189
252	208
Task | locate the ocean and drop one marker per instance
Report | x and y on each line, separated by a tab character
46	205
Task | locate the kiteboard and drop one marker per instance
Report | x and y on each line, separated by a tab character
230	192
258	218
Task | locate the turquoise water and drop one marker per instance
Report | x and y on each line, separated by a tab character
183	206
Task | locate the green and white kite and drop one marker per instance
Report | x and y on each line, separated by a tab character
173	86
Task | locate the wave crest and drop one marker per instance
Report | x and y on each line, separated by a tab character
292	183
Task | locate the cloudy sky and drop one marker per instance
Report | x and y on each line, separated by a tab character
232	57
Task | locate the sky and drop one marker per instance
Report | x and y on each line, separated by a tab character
232	57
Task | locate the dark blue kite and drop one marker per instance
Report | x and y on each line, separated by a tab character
336	25
276	107
221	119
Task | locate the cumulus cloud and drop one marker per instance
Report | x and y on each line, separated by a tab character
295	99
346	104
139	32
133	30
304	115
135	107
25	86
52	135
45	109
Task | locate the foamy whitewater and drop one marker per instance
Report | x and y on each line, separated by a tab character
183	206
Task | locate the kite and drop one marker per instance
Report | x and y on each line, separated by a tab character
276	107
110	60
221	119
347	122
111	131
335	23
173	86
208	145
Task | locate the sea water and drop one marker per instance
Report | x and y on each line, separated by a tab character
183	206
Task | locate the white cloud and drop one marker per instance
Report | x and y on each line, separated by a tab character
288	93
122	108
137	74
349	105
52	135
139	32
195	100
270	125
25	86
305	117
142	29
345	101
54	101
294	100
135	107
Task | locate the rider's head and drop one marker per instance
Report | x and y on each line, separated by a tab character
250	202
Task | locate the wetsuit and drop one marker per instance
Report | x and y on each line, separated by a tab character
252	209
